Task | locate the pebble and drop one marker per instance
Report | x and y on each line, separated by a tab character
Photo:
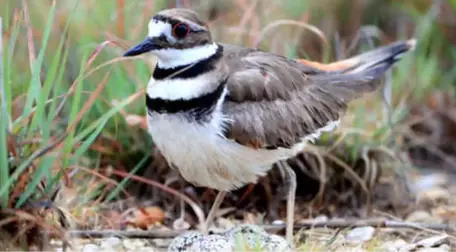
90	248
360	234
418	216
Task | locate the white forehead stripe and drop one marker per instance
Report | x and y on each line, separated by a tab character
157	28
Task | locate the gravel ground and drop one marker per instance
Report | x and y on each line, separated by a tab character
253	238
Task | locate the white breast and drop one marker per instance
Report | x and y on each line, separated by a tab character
204	157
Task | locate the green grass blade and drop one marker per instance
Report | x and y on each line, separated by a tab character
20	169
4	121
95	130
44	166
34	91
51	75
75	106
7	71
87	142
122	184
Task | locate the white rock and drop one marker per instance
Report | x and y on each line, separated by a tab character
278	222
360	234
181	224
90	248
321	218
111	243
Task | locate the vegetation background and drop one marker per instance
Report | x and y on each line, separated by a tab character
72	109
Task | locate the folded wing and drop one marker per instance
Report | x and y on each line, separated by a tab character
277	102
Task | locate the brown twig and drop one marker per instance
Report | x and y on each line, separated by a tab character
375	222
348	223
196	209
132	234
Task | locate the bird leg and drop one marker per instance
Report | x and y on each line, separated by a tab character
215	207
290	200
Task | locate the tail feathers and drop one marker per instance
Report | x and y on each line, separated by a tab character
377	61
363	72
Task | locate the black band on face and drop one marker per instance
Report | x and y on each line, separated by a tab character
190	70
197	108
172	21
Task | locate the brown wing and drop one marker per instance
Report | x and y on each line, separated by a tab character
274	101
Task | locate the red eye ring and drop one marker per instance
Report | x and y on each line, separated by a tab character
181	30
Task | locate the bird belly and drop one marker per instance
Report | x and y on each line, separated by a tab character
204	157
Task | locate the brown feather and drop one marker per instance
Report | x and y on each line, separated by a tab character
277	101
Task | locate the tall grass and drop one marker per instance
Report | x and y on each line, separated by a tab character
50	133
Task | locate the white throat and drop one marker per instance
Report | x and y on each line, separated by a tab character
172	58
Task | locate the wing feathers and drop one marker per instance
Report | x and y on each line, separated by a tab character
278	101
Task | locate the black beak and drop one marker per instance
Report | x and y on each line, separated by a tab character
146	46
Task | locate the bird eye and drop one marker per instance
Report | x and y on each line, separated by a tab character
180	30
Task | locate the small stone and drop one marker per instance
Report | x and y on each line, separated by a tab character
321	218
360	234
180	224
393	246
278	222
429	181
111	243
56	242
133	244
90	248
418	216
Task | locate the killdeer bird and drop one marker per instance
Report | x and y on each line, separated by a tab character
224	114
